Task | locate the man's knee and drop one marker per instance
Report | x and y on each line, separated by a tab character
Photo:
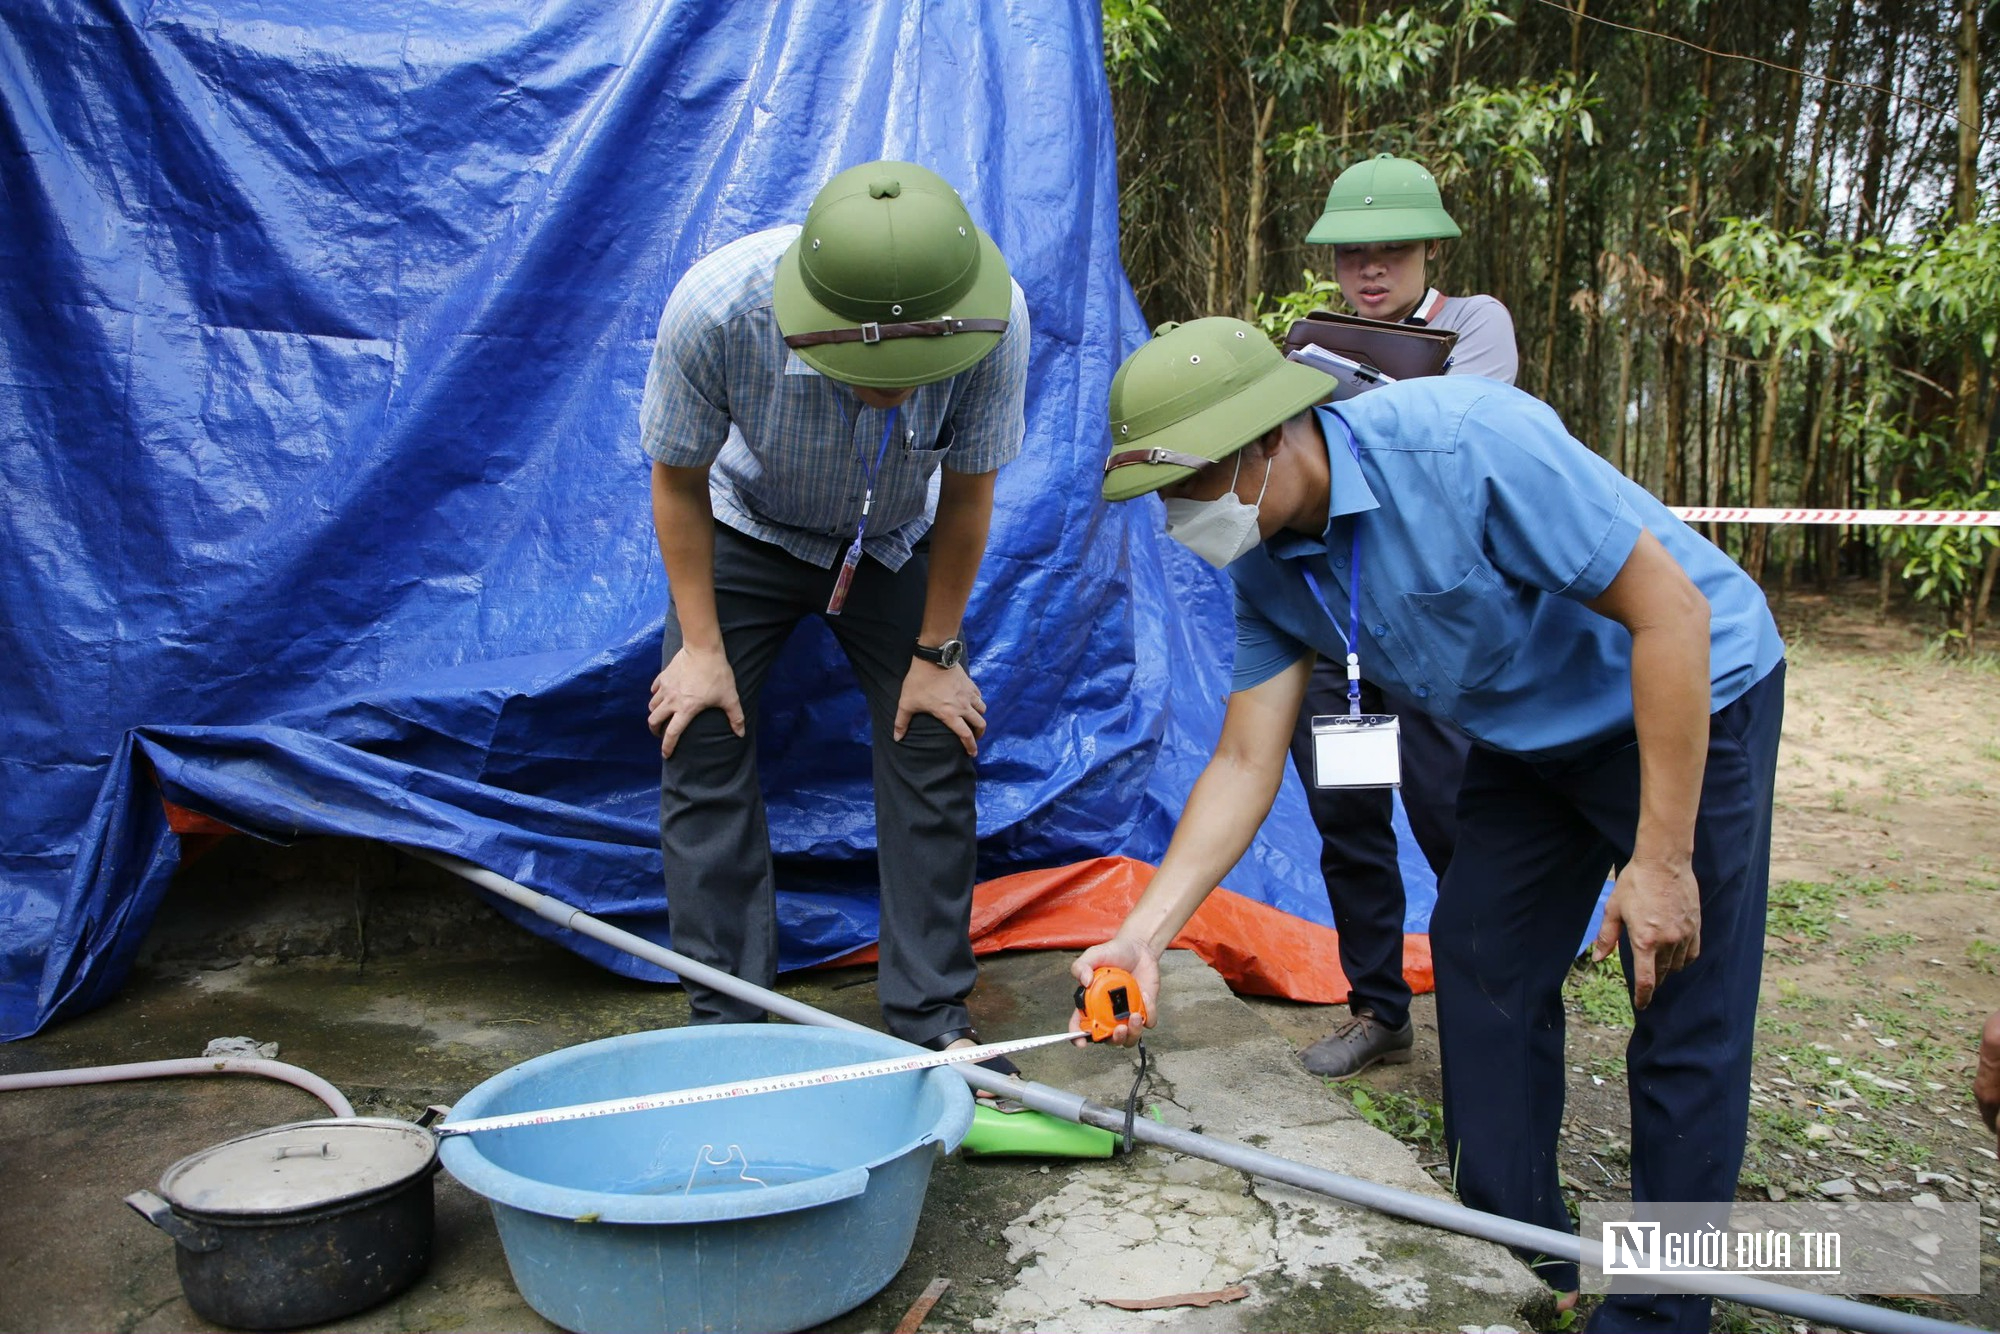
929	744
708	751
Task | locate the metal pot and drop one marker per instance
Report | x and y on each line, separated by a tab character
300	1223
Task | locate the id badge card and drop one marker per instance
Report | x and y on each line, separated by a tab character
845	580
1357	750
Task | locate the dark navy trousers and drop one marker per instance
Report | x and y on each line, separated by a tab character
1535	841
1357	859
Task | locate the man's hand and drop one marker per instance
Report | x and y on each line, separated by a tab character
946	694
1135	959
1986	1083
695	680
1657	907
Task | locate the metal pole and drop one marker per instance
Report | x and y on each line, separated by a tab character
1432	1212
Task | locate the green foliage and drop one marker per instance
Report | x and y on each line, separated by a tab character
1376	56
1735	283
1133	30
1944	564
1486	136
1804	909
1878	300
1274	315
1865	949
1983	956
1951	286
1408	1116
1800	909
1598	993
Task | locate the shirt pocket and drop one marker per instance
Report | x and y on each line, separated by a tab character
1465	628
927	446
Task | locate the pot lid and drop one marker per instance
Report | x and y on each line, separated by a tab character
299	1166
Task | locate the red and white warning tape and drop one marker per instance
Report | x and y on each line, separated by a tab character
895	1065
1886	518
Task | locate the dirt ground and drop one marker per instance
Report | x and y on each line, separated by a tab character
1882	951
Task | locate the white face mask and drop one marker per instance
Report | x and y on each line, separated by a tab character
1222	530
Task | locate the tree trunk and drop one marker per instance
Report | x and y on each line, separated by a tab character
1671	483
1811	492
1639	308
1621	402
1225	226
1758	547
1972	426
1985	588
1559	207
1253	208
1868	212
1709	477
1788	116
1965	189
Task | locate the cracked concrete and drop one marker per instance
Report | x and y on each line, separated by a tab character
1027	1245
1168	1224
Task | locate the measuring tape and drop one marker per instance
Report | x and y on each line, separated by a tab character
743	1088
1882	518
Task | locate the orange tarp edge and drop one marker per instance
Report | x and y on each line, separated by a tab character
1257	948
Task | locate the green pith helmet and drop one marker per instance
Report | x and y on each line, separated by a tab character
890	284
1199	392
1385	198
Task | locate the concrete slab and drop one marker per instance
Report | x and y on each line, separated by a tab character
1026	1245
1170	1225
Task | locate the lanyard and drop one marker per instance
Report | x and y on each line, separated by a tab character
1427	309
853	558
1353	635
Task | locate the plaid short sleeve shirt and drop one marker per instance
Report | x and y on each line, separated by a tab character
789	450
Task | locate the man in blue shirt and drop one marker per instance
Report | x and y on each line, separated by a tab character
1621	679
826	410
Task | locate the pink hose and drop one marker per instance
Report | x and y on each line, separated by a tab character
200	1065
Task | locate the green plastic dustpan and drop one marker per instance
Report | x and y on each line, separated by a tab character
1031	1134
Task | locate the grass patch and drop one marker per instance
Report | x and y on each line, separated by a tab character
1983	956
1790	995
1942	654
1780	1126
1807	909
1410	1117
1729	1318
1802	909
1597	992
1865	949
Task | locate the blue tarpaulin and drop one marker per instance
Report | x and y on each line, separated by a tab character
322	333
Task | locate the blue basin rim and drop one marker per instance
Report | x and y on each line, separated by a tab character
461	1155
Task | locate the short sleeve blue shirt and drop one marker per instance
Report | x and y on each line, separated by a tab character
1484	527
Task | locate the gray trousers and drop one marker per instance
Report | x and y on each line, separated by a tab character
721	902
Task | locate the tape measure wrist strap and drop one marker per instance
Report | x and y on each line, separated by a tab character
1132	1099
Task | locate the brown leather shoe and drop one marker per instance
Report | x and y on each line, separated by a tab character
1358	1044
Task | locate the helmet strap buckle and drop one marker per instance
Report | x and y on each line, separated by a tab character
871	332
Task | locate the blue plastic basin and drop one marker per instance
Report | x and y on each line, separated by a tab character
764	1213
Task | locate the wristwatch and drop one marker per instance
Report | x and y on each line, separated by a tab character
947	655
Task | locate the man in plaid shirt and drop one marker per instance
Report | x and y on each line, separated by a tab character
826	410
